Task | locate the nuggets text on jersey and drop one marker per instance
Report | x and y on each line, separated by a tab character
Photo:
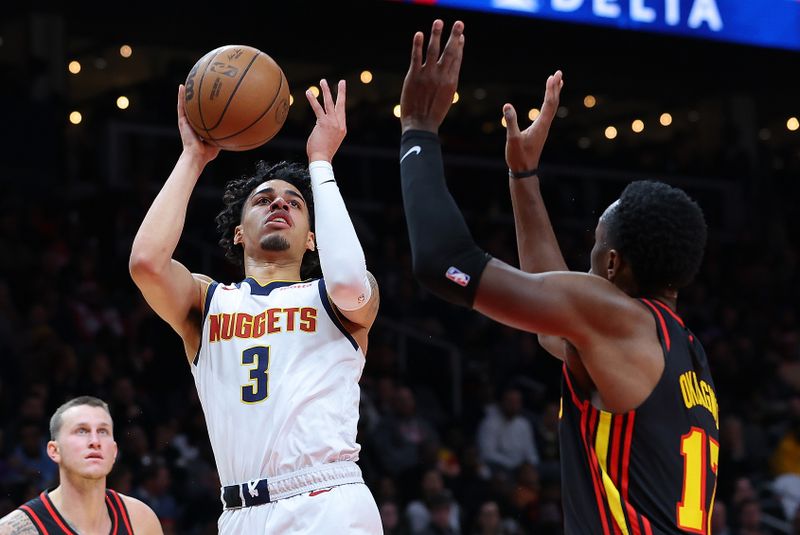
224	326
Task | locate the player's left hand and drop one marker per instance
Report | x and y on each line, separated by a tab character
431	82
331	126
523	149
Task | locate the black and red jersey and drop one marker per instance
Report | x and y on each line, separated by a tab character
652	470
49	521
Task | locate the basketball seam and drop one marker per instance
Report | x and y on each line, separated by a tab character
271	104
233	93
191	123
249	145
214	54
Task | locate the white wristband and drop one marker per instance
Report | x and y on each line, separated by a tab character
321	172
340	254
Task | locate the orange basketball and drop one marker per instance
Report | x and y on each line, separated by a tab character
237	97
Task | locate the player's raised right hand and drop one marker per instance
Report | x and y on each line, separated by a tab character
431	82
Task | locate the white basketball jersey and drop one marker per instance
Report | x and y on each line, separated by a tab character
277	375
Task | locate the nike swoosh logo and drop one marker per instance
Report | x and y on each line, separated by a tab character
415	149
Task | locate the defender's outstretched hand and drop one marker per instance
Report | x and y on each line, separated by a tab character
524	148
431	82
331	126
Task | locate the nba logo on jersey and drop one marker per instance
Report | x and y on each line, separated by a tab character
459	277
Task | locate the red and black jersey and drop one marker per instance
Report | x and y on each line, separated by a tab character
653	470
48	520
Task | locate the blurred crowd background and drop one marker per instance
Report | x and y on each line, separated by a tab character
459	415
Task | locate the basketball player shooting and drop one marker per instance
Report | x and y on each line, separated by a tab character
277	357
639	421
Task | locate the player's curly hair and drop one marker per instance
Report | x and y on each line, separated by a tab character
661	232
239	189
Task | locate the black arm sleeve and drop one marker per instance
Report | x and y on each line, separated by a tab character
445	259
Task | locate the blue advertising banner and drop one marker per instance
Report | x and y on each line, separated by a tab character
768	23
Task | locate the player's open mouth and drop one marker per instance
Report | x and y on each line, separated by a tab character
278	220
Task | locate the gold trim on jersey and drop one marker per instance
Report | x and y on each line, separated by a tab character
263	284
601	451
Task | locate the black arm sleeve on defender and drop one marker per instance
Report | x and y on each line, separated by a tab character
445	259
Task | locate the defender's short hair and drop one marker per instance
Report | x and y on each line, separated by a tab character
58	417
661	232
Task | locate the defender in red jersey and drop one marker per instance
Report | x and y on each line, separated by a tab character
82	444
639	420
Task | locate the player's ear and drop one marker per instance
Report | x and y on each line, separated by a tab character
311	244
53	451
238	235
619	271
613	264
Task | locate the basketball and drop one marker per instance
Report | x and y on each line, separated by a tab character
237	97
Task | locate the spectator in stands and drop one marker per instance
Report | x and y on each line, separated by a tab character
441	506
391	520
29	459
155	492
750	520
719	519
546	441
505	437
419	511
490	522
400	437
786	458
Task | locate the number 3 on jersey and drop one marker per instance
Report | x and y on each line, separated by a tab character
692	514
258	360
